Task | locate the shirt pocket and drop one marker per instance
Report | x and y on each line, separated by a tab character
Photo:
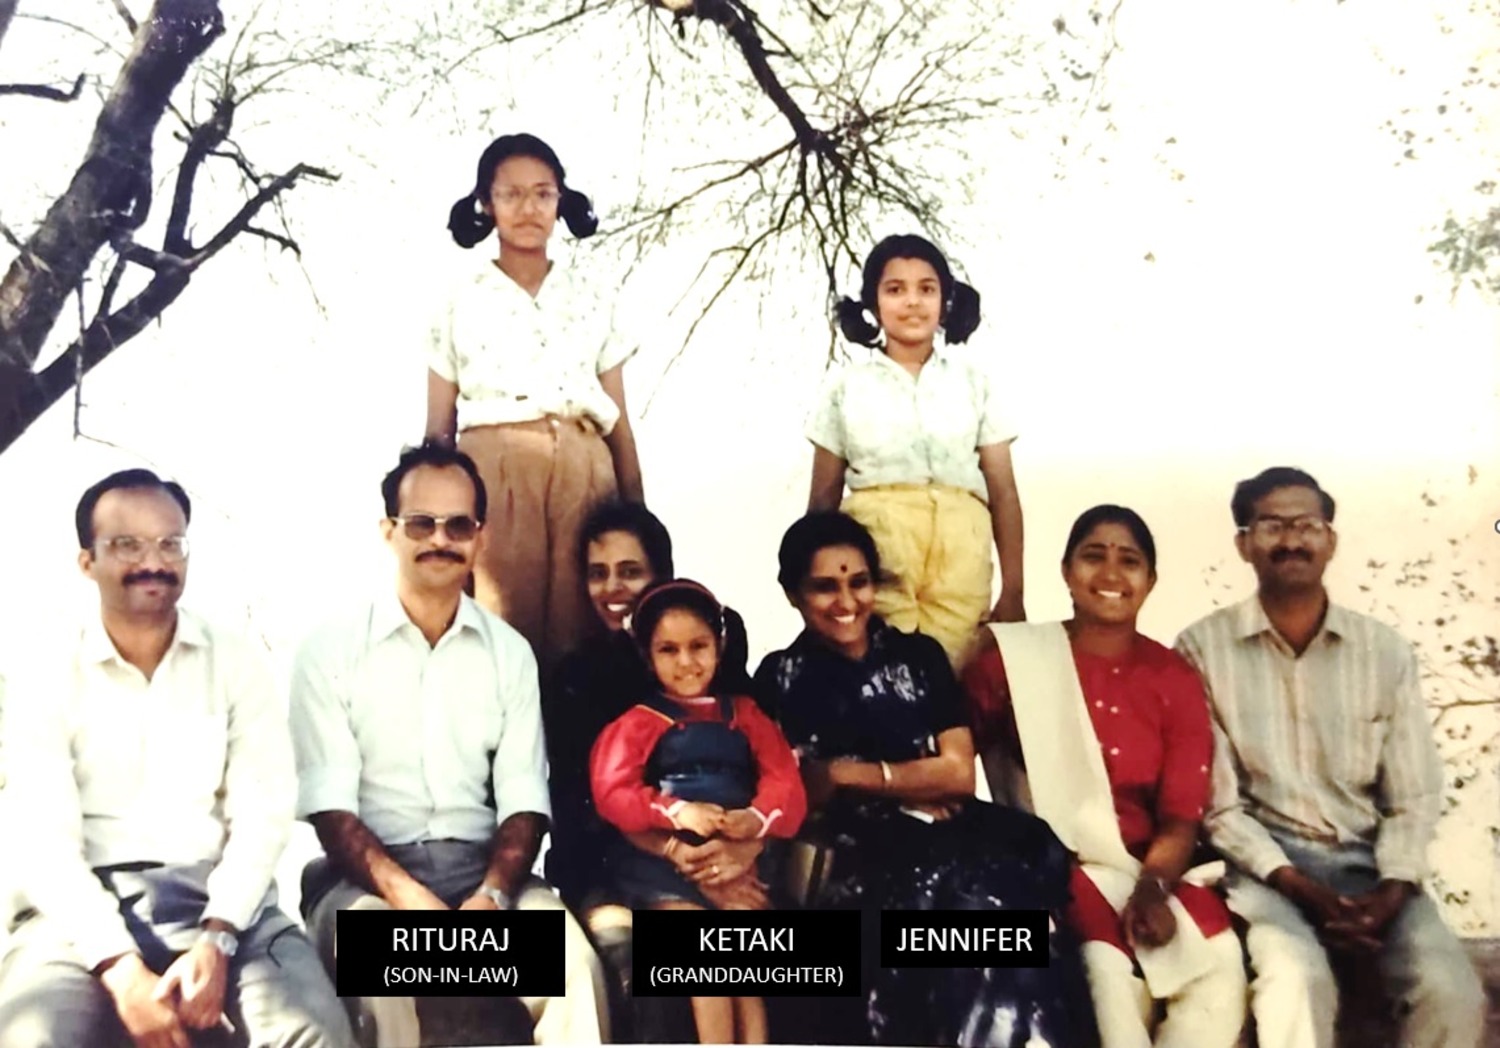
1351	740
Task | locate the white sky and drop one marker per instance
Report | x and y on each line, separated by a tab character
1277	324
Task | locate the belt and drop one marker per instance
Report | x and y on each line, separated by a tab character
551	423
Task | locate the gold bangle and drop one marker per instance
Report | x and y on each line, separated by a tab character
885	772
669	847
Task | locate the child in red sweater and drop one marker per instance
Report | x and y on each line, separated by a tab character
697	764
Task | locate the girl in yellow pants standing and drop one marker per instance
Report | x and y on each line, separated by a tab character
917	435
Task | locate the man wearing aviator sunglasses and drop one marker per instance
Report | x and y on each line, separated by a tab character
1326	786
417	724
419	527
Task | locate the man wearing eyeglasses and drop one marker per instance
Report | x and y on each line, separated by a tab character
150	793
417	725
1326	786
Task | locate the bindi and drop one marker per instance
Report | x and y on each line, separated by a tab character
843	569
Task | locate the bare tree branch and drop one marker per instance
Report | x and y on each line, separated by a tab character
242	218
108	193
286	242
53	94
203	140
126	16
10	237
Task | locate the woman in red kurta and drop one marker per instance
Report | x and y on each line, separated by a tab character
1150	716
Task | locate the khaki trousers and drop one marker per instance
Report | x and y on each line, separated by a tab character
934	544
542	479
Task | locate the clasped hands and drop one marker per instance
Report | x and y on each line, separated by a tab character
1350	923
723	866
158	1010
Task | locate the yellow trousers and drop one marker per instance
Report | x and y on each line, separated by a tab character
934	544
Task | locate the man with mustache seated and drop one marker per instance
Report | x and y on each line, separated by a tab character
416	721
1326	786
149	794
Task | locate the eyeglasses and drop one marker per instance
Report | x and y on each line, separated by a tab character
1272	528
419	527
131	549
511	196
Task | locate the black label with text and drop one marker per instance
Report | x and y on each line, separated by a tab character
964	939
739	953
453	953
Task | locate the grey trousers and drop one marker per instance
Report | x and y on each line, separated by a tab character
278	994
452	870
1293	996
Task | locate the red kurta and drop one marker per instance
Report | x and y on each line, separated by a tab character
1151	718
617	768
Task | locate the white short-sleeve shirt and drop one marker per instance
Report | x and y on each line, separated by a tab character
422	742
516	358
893	427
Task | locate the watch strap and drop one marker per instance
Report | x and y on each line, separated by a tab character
496	896
226	943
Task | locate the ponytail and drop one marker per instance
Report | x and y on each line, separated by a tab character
962	314
733	677
469	222
855	324
577	211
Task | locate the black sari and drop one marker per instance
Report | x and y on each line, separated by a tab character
891	706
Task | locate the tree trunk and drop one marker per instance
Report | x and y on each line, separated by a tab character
7	12
107	198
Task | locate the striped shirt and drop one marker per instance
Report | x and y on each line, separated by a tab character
1333	745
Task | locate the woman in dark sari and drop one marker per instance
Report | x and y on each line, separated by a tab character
878	719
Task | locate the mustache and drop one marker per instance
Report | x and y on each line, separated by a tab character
441	554
1287	554
166	578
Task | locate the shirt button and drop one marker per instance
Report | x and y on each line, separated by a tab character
1100	704
1114	751
1114	709
1115	671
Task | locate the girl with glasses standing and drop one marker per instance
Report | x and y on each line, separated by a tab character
526	372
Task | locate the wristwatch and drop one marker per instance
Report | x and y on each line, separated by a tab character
495	895
226	943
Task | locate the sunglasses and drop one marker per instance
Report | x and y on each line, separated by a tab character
422	526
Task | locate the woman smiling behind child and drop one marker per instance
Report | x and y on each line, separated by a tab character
697	762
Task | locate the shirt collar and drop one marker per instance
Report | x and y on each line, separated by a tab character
1251	620
939	357
388	616
96	647
556	285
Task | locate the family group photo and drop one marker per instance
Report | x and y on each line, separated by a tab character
723	457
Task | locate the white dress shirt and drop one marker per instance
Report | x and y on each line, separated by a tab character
516	358
422	742
106	767
1334	745
893	427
